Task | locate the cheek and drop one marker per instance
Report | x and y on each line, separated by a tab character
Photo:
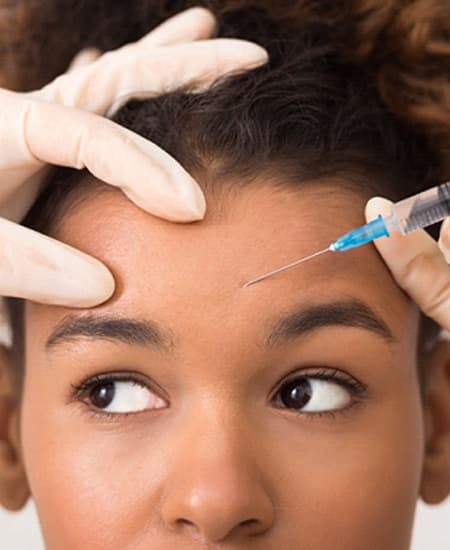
86	481
357	480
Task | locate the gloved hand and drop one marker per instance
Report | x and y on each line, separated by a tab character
61	124
418	263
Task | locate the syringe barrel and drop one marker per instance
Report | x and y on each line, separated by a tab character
423	209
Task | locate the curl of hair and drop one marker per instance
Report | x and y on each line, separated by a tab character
406	43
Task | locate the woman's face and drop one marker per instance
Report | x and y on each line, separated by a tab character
282	415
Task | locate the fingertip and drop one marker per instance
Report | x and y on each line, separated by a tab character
87	282
260	54
83	58
195	199
103	286
198	18
376	206
445	227
248	53
444	239
193	24
171	192
189	195
60	274
200	12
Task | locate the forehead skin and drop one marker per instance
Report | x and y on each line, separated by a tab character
351	474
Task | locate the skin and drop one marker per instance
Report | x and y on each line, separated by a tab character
222	464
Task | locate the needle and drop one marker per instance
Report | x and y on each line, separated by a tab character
293	264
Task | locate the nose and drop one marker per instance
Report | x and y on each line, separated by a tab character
214	492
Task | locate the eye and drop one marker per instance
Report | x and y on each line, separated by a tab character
318	392
118	395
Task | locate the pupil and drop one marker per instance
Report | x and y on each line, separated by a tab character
103	394
296	394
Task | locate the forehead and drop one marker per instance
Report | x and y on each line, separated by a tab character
187	274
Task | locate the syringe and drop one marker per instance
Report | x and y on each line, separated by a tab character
407	215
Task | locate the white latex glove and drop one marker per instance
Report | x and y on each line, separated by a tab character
64	124
418	263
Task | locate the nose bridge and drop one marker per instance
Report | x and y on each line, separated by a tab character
213	433
214	487
220	427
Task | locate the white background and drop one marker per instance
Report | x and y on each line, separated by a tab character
20	530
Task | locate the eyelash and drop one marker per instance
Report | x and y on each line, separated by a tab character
83	388
357	389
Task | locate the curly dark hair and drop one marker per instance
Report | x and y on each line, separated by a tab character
404	43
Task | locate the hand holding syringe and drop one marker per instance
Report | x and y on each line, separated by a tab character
429	287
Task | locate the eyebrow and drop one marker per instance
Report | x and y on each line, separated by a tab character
118	329
348	313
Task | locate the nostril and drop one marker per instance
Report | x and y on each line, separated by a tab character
182	522
252	527
248	522
185	526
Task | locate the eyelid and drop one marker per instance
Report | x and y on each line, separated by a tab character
357	389
320	372
117	376
104	416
